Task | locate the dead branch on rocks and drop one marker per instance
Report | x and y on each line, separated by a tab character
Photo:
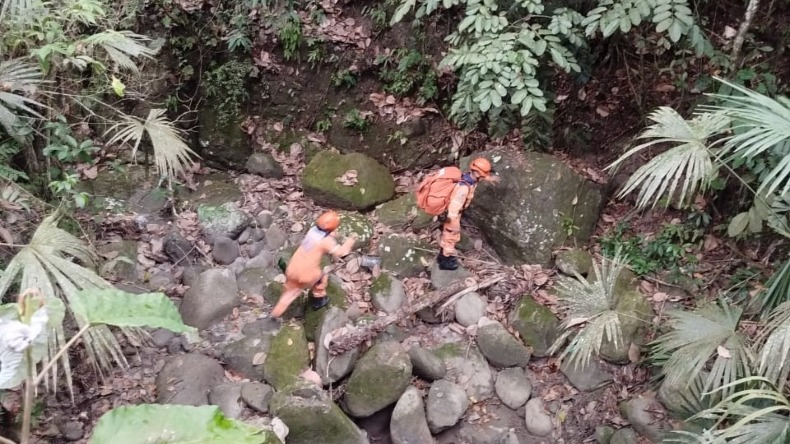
346	339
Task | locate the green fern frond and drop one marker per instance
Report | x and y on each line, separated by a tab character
122	46
171	153
591	304
689	162
48	263
697	337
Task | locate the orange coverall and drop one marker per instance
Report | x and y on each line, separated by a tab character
462	196
304	268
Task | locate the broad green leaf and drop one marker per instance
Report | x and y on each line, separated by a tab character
121	309
518	96
174	424
118	87
738	224
402	10
755	221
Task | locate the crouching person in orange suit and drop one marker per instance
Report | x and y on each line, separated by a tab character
304	268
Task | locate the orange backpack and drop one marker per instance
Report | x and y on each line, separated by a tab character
435	191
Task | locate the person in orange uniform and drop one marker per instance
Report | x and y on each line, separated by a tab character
462	195
304	268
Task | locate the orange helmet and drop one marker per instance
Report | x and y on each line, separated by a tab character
328	222
482	166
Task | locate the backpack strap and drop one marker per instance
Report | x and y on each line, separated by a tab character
467	179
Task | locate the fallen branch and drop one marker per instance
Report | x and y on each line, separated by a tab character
351	339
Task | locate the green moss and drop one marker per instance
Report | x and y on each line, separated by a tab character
378	380
272	293
536	324
381	284
375	184
288	356
358	224
313	318
402	211
449	350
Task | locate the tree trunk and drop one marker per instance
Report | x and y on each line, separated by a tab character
737	44
353	338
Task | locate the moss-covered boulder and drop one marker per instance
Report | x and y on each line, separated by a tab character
387	293
524	215
333	368
536	324
288	356
226	220
379	379
467	367
635	315
223	142
264	165
337	298
574	260
357	224
246	356
272	293
312	417
374	182
403	212
404	256
499	346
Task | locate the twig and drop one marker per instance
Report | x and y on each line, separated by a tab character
455	298
6	441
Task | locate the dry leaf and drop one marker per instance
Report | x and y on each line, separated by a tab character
259	358
660	297
577	321
311	376
6	235
723	352
478	244
710	243
290	341
91	172
633	353
541	279
602	111
664	88
608	218
647	287
349	178
297	227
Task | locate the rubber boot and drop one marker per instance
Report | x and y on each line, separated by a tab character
282	264
447	262
317	303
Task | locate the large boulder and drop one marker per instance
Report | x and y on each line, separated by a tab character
524	215
225	220
587	378
644	413
122	262
312	417
426	364
187	379
374	183
228	398
538	421
408	424
635	315
402	212
288	356
500	347
387	293
467	368
337	298
573	261
447	403
223	141
213	297
333	368
247	355
536	324
404	256
264	165
470	309
513	387
379	379
357	224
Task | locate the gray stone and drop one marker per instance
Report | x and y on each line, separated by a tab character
238	266
175	346
228	398
444	278
374	181
257	395
246	356
187	379
245	235
644	414
426	364
261	260
404	256
467	367
258	235
123	259
502	426
523	216
536	324
500	347
256	249
266	326
264	165
626	435
333	368
603	434
160	281
573	261
402	212
681	397
378	380
429	316
226	220
161	337
635	315
513	387
470	309
588	378
275	238
538	421
408	424
213	297
264	219
387	293
72	430
225	250
254	280
191	274
312	417
357	224
447	403
287	358
177	247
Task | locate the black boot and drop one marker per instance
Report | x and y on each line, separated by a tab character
447	262
318	303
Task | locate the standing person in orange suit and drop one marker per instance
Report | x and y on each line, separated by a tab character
460	198
304	268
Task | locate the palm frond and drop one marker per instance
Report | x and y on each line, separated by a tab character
699	336
775	346
122	46
752	415
760	124
171	154
684	437
16	8
778	291
17	76
689	162
47	263
590	304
